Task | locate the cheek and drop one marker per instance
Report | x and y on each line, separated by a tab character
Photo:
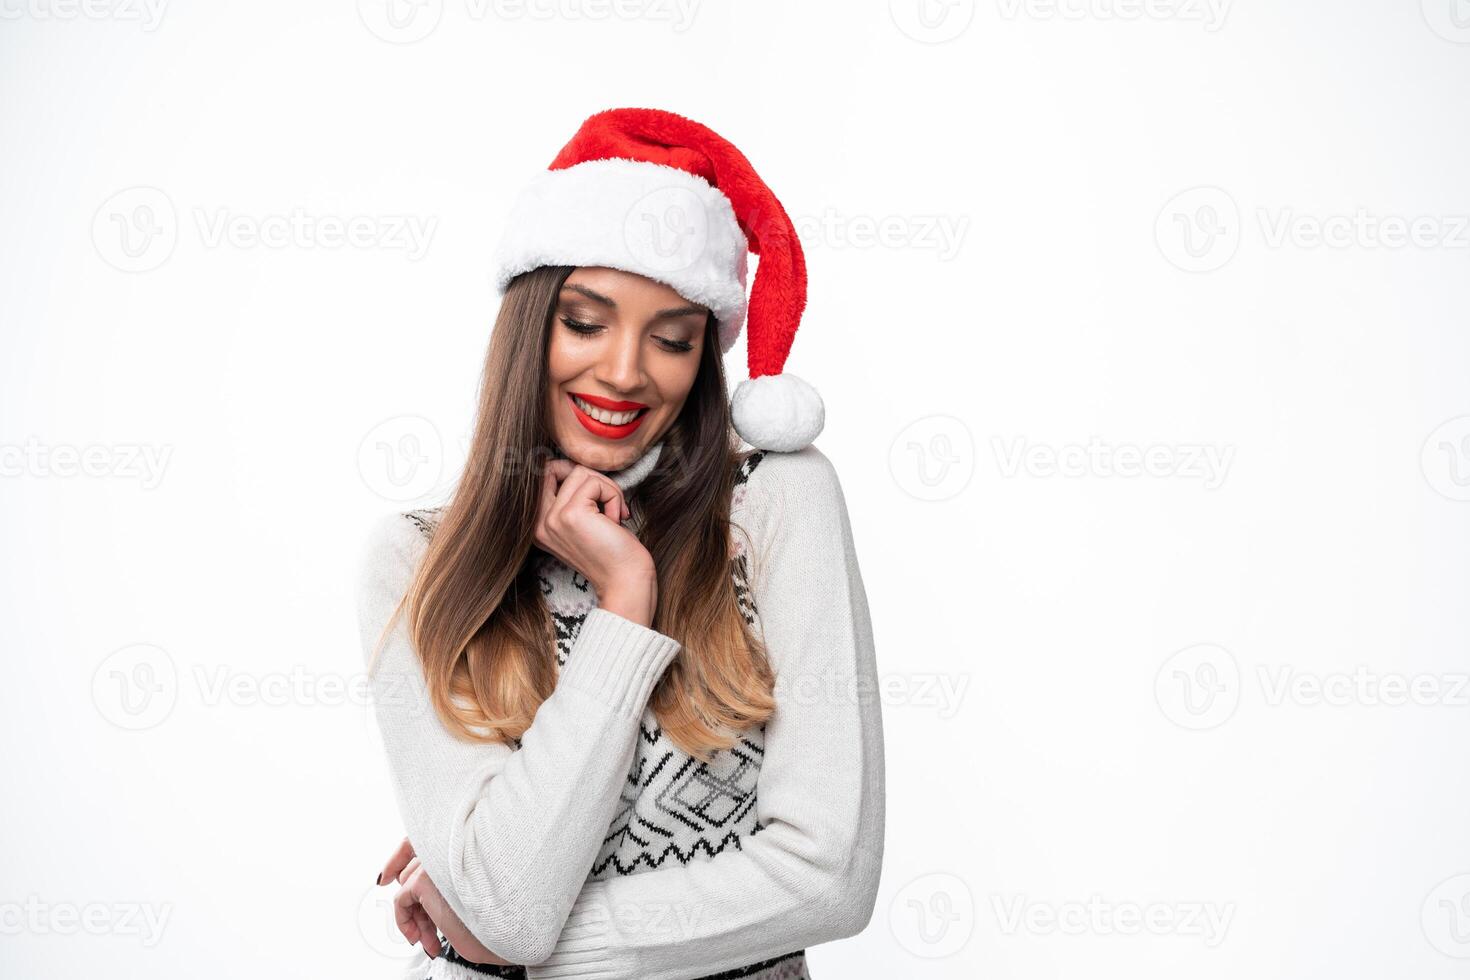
674	381
560	362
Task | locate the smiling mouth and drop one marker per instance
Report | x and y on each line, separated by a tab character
611	419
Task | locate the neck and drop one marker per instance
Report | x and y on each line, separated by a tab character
633	474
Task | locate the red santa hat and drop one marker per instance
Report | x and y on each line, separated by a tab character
656	194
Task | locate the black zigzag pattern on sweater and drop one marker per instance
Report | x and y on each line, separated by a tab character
681	792
675	807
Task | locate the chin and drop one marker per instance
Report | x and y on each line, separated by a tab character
587	450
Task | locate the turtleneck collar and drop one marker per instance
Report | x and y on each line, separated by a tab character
631	475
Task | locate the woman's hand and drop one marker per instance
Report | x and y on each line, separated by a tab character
580	521
422	913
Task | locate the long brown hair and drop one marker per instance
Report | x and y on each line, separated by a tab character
476	614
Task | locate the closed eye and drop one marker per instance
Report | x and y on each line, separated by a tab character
578	326
591	329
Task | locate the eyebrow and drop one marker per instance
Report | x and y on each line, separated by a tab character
668	314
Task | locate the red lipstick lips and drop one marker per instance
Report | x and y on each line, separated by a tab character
603	429
608	403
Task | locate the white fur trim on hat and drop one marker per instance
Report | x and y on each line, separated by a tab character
779	412
646	218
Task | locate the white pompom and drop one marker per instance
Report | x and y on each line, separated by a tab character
778	412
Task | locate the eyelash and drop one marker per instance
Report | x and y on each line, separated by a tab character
588	329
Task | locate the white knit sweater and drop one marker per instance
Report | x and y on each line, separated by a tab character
596	849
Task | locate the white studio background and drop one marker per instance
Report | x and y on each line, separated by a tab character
1141	326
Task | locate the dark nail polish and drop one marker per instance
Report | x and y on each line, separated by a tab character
380	879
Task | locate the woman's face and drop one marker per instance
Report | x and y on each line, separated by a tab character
627	348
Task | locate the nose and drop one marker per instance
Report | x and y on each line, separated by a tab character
621	366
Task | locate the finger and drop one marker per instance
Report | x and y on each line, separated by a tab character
428	932
557	470
562	468
408	869
404	916
445	919
396	862
586	484
565	495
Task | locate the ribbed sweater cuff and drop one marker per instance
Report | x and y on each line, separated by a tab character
583	951
618	661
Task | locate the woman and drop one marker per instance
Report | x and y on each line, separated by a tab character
625	678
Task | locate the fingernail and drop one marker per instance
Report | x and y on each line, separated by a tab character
379	881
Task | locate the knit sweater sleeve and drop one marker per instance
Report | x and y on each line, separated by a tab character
810	873
508	835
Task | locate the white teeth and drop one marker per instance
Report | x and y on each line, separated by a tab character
603	415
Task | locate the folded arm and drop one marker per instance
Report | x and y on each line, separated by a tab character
508	836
